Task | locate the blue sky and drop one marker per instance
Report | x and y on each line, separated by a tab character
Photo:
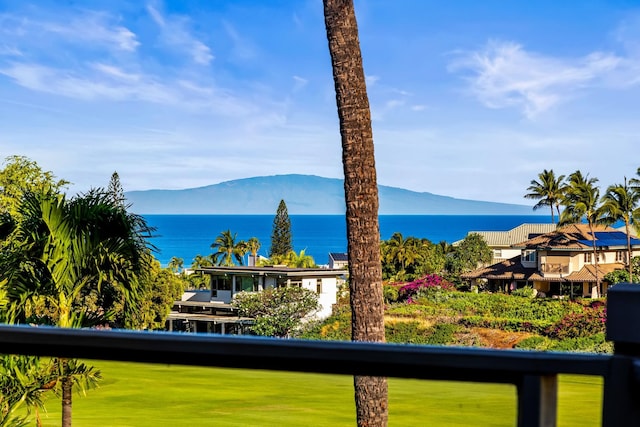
469	99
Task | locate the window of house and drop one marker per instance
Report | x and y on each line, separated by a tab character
621	256
588	257
221	283
319	286
497	253
246	283
296	282
529	256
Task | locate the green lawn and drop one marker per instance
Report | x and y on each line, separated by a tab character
159	395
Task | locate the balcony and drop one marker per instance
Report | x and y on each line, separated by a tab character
554	268
533	373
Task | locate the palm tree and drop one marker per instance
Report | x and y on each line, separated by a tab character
361	196
59	251
253	246
620	202
176	264
227	249
582	201
301	260
634	184
23	380
403	252
548	190
200	261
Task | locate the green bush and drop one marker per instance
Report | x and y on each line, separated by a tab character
416	333
411	310
411	332
535	342
526	292
443	333
590	344
390	293
515	325
589	322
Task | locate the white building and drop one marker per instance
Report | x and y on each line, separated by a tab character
225	282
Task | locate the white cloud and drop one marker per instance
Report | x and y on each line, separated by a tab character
113	84
371	80
116	72
175	34
299	82
503	74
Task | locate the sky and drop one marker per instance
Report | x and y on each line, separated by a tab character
469	99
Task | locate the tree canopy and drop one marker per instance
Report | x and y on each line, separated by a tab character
276	311
21	174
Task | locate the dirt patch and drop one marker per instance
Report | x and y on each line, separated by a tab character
495	338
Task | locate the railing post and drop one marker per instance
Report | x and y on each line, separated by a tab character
621	392
537	401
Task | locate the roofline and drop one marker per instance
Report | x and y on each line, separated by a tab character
272	271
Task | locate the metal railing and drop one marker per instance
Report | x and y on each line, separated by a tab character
533	373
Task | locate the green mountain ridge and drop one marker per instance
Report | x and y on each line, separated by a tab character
303	194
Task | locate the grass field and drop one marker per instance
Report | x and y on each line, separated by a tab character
143	395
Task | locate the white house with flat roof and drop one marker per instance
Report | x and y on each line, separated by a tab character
225	282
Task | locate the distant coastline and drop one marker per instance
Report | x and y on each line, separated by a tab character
304	195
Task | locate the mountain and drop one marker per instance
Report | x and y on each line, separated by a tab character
303	194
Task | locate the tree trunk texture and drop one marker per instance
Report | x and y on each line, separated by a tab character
361	195
67	389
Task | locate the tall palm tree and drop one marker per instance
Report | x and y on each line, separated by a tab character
620	202
582	201
227	249
361	196
59	250
548	190
634	184
253	246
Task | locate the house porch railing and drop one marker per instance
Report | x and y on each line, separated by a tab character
533	373
554	268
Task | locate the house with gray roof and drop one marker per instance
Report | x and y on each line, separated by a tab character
501	242
561	262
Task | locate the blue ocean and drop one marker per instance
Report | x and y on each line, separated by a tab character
185	236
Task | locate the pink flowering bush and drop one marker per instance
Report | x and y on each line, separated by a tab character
426	284
588	322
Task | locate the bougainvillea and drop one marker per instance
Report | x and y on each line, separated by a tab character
591	321
430	281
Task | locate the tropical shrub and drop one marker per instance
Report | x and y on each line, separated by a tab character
535	342
427	283
596	343
526	292
443	333
390	293
506	324
277	312
407	332
336	327
589	322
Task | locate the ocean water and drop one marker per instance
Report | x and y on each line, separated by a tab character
185	236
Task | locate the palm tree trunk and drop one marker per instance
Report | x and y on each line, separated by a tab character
361	195
595	260
67	388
